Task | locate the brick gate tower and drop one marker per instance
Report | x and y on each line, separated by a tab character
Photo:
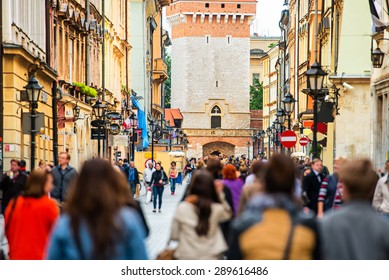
210	73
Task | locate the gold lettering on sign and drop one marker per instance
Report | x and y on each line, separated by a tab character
218	132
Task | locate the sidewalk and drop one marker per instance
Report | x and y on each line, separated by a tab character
160	223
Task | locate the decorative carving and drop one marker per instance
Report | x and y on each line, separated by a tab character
219	147
218	132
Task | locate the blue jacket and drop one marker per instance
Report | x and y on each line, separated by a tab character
62	245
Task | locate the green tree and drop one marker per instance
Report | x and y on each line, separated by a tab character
168	82
256	95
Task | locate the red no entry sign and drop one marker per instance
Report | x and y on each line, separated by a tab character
303	141
288	139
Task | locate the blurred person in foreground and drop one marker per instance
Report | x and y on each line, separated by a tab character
196	224
30	217
97	223
273	227
356	231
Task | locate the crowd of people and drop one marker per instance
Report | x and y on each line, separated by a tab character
232	208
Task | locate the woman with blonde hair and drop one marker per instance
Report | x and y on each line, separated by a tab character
97	222
30	217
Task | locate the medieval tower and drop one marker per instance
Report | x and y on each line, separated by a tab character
210	73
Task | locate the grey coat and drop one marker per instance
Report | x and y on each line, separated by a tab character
62	182
355	232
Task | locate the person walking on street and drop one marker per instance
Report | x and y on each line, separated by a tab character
356	231
30	217
12	184
331	191
311	185
196	224
234	184
133	176
272	226
158	181
173	174
64	175
147	174
97	223
381	194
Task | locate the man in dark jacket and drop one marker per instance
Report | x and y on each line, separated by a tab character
311	185
132	176
12	183
64	176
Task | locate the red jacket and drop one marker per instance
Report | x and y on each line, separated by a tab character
29	225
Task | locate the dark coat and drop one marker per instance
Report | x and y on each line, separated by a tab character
159	175
62	182
311	187
126	170
12	188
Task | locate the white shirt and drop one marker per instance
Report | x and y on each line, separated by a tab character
381	196
147	174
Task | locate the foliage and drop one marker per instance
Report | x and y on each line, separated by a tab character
167	87
256	95
89	91
272	45
319	150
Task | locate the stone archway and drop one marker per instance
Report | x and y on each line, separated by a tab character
219	148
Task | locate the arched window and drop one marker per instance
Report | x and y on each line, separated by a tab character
216	119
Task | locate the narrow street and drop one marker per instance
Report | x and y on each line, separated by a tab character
160	223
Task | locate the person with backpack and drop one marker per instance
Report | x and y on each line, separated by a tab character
132	174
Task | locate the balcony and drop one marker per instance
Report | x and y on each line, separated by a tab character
160	73
164	3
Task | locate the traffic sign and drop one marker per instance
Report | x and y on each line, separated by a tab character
303	141
288	138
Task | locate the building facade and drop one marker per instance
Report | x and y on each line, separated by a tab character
211	74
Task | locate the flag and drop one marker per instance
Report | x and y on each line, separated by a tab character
142	123
375	11
127	123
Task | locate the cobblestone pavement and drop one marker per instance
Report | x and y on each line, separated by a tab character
160	223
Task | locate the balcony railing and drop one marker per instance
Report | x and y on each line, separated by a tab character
160	70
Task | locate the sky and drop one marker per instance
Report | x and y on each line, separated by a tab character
268	16
266	21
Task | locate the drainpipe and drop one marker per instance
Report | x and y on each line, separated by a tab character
48	32
1	92
296	74
88	47
103	52
55	122
127	83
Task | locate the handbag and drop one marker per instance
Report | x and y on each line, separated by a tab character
166	255
288	246
148	194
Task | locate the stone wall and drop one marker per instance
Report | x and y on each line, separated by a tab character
213	74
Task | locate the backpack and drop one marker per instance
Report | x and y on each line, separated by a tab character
125	169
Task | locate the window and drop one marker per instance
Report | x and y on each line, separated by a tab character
238	6
216	122
206	5
216	119
207	39
223	5
229	37
255	77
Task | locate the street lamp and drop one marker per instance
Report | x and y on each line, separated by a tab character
153	128
134	125
377	58
248	149
288	103
269	134
262	135
98	110
315	80
33	89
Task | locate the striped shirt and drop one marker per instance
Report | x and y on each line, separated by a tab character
338	200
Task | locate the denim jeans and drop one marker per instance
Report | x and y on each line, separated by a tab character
157	192
173	182
133	187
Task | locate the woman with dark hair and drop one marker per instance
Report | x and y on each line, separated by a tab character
30	217
196	224
158	181
97	222
271	227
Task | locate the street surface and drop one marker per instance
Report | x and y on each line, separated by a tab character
160	223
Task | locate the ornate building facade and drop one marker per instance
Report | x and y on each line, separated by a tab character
211	74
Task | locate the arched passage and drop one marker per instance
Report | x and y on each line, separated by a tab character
217	148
